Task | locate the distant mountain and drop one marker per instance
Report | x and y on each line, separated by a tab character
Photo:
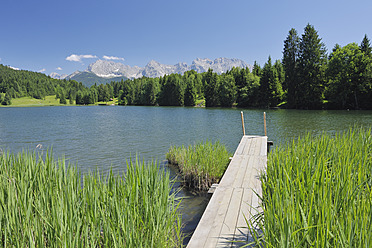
89	78
103	71
220	65
110	69
58	76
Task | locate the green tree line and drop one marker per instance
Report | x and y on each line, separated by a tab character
22	83
305	78
313	79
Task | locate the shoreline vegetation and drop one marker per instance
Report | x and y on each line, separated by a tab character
316	192
49	101
199	165
305	78
45	203
53	101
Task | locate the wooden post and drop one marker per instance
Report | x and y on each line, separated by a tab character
241	113
265	123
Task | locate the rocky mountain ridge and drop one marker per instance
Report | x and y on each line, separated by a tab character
109	69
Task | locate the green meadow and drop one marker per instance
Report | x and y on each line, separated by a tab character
33	102
48	101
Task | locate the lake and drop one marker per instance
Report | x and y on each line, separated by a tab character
106	137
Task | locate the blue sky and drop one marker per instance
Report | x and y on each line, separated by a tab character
64	36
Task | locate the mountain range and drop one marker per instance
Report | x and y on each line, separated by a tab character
103	71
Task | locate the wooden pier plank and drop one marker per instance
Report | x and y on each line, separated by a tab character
232	171
241	230
223	221
231	218
239	150
212	219
243	168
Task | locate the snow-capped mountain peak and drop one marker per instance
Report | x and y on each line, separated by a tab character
111	69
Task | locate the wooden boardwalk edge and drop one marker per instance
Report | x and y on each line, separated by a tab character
223	221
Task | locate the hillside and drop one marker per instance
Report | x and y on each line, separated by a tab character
22	83
89	78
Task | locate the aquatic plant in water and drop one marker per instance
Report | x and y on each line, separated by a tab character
317	192
46	203
201	164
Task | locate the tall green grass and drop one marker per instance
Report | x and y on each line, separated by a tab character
201	164
44	203
317	192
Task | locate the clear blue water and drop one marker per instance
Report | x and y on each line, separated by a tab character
107	136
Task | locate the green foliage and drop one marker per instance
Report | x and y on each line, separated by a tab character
312	82
290	65
190	91
21	83
249	94
6	100
365	46
227	91
211	86
311	66
247	87
45	203
148	91
88	79
176	90
200	165
349	77
256	69
62	98
121	99
270	90
316	192
303	80
172	91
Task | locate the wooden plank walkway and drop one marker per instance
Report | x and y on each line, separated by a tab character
223	220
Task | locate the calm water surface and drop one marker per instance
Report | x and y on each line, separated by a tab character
107	136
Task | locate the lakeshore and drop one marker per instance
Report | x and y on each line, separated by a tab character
105	137
47	101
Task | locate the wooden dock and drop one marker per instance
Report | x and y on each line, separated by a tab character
223	221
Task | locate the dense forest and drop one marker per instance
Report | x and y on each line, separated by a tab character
20	83
305	78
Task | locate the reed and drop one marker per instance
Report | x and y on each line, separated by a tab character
200	165
44	203
316	192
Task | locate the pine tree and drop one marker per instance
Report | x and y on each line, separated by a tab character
248	96
256	69
227	91
312	62
290	60
79	98
212	82
270	88
62	98
365	46
172	91
190	92
366	74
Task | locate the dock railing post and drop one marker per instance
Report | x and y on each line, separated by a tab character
241	113
265	123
